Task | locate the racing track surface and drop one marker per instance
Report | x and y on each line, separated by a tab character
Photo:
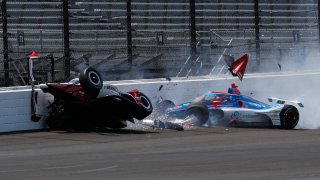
205	153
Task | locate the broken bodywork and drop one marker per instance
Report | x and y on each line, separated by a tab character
86	102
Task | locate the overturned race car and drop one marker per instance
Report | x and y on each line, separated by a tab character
220	108
85	103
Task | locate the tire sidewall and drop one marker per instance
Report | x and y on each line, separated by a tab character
284	110
91	81
146	103
141	111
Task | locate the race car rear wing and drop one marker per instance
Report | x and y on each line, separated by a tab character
284	101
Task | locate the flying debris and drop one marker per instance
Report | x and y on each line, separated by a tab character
168	78
279	66
237	67
162	124
161	86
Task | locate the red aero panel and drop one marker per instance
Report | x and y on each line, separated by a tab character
238	67
215	103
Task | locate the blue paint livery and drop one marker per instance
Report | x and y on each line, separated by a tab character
227	100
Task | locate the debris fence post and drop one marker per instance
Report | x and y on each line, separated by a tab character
257	30
5	42
193	43
66	40
129	34
319	22
52	67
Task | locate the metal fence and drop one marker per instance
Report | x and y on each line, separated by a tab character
148	39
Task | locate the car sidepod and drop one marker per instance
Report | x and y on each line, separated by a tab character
242	117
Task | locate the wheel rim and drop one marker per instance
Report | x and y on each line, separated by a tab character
290	117
145	102
94	78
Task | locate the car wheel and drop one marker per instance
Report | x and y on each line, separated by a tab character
144	109
199	111
289	117
146	103
91	81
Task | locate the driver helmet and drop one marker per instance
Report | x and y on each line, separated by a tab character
233	84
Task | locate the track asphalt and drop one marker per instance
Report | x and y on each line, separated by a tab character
202	153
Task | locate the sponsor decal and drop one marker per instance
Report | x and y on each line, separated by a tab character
113	88
235	115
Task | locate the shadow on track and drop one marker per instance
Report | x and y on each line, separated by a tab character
106	131
94	130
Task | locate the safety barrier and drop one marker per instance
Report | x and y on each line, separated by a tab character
15	103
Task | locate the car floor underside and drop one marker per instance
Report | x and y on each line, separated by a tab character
109	111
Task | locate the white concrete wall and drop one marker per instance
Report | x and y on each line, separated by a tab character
259	86
15	105
15	111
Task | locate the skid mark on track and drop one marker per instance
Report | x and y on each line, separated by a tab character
37	169
98	169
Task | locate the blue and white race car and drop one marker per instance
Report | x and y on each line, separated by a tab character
220	108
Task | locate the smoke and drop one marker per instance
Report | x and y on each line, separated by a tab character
296	77
308	92
303	88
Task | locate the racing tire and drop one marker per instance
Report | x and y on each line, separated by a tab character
146	103
289	117
199	111
91	81
144	109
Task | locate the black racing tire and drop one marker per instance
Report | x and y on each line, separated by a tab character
91	81
146	103
163	106
144	109
289	117
200	111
